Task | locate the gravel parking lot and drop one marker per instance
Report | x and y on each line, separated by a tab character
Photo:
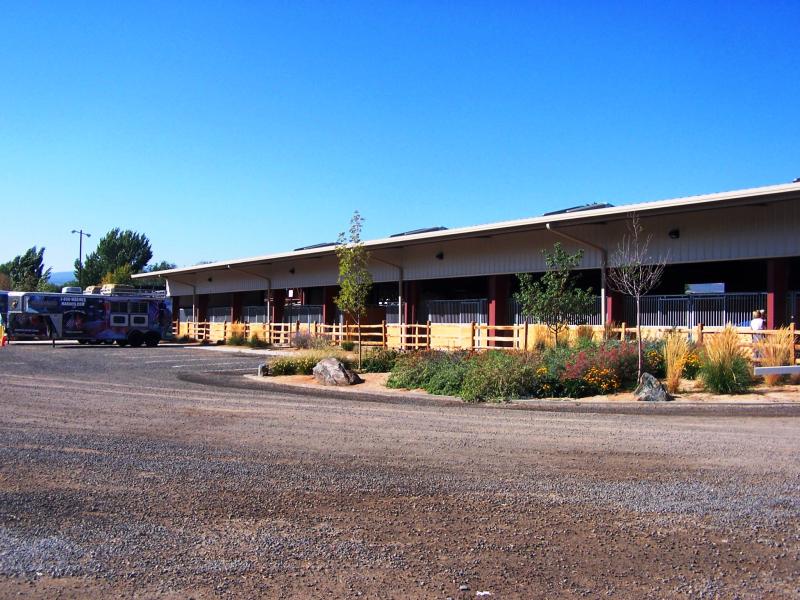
121	475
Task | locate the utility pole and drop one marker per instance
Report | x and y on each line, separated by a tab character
81	233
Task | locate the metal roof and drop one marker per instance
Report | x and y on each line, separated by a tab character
770	193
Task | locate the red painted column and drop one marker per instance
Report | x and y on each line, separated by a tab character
328	304
777	284
614	307
236	307
278	304
411	301
499	286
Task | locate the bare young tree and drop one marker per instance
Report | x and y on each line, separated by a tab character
633	272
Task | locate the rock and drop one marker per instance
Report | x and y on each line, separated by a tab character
651	389
330	371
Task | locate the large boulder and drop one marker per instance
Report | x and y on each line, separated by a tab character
330	371
651	389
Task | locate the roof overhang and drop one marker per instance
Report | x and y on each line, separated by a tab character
752	196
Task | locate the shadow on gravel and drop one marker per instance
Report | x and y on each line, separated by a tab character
237	381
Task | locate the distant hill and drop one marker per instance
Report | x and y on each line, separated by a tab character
61	277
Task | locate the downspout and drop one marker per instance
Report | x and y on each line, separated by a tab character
400	319
269	287
603	265
399	288
194	294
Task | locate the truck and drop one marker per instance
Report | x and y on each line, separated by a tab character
130	318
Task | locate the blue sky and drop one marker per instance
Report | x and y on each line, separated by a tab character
224	130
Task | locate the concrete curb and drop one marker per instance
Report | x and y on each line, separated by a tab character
732	409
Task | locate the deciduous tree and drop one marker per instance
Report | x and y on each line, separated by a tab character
554	299
634	272
355	280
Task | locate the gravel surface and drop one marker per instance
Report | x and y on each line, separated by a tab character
124	474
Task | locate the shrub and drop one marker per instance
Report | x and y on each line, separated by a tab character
283	366
235	340
675	352
236	336
692	366
186	339
597	370
775	350
306	341
724	368
348	346
498	376
435	371
583	336
445	376
303	364
379	361
255	341
653	359
547	383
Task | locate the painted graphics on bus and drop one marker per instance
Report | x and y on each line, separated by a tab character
73	316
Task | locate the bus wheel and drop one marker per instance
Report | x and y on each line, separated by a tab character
135	338
151	339
122	343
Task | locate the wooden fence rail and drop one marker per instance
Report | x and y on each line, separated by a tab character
466	336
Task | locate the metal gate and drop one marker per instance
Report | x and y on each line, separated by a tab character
591	318
687	310
305	313
458	311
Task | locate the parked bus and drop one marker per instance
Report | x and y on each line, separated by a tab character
133	318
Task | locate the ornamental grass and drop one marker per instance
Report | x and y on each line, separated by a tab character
676	354
236	334
775	350
725	368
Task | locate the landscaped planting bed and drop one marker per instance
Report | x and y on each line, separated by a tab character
585	369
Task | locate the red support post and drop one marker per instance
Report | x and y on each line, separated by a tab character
499	286
777	287
236	307
614	307
328	305
278	304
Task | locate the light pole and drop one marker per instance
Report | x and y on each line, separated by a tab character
80	233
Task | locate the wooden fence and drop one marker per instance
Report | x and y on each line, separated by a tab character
451	336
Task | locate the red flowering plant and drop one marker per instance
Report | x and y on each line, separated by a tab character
602	369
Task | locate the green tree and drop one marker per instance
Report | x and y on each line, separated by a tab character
554	299
121	274
26	272
159	266
155	282
116	249
5	281
355	280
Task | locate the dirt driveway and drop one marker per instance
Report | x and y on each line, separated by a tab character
118	477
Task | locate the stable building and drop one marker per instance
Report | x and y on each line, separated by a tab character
726	255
